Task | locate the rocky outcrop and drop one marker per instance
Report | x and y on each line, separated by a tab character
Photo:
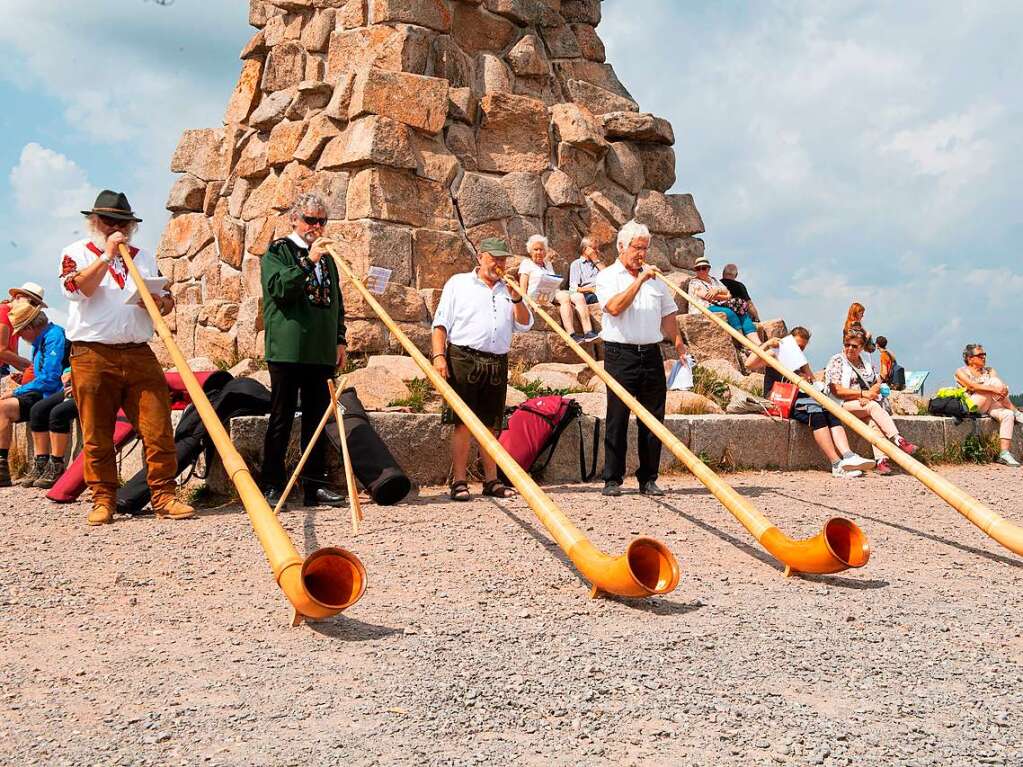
427	125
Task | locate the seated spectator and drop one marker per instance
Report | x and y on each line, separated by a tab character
532	272
729	278
854	321
582	291
852	381
991	396
828	431
710	289
9	357
50	421
48	344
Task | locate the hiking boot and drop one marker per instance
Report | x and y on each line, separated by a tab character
102	514
50	475
650	488
5	473
857	463
884	468
904	444
1007	459
174	509
613	489
35	470
843	473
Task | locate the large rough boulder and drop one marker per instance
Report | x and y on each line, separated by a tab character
377	388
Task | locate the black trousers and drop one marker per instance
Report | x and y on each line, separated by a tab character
640	369
287	381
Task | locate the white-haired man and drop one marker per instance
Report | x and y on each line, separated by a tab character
112	366
304	320
638	313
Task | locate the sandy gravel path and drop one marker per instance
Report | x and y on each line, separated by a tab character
167	643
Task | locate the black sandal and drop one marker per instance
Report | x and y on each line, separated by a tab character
495	488
460	491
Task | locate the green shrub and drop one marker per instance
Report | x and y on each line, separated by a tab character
421	393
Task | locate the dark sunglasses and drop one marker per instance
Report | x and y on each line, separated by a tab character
982	354
702	268
315	220
113	223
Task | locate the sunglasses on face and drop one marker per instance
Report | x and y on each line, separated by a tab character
982	355
315	220
854	346
703	268
113	223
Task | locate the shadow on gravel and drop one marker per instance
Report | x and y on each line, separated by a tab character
656	605
1000	558
350	630
547	543
754	552
752	491
842	583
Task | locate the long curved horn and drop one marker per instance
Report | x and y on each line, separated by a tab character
992	524
330	579
647	566
839	546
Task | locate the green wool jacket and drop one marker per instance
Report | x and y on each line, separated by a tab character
298	330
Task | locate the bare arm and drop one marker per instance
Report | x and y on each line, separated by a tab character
439	345
963	379
669	327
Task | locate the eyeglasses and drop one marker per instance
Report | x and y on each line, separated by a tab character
982	355
315	220
853	346
113	223
702	268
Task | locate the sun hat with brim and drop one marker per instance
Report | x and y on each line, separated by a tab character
495	246
701	261
30	290
22	314
112	205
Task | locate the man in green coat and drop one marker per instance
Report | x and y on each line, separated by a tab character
304	320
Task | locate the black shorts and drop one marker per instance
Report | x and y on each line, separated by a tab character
25	403
481	380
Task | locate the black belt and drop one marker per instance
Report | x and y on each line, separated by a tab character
633	347
477	352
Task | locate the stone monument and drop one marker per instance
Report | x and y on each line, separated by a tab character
427	125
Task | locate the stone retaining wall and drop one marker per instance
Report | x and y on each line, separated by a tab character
419	443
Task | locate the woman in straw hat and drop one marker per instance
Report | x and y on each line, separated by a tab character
48	347
31	293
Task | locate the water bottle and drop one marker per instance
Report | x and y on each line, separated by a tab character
885	390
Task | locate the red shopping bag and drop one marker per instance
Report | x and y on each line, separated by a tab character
783	397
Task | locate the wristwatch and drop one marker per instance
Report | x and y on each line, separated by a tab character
105	258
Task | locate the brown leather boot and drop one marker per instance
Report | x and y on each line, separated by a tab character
172	508
102	513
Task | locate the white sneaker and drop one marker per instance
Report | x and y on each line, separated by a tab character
1006	459
842	473
856	462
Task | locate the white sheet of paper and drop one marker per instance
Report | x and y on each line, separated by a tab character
549	285
790	355
155	285
377	279
681	377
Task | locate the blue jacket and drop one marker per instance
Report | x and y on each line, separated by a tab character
47	361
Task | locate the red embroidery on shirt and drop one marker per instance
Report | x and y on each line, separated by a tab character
68	268
119	277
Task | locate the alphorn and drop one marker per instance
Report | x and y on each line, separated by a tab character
839	546
992	524
647	566
346	459
330	579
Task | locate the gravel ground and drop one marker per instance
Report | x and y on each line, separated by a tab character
154	642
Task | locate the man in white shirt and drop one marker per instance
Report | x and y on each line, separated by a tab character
112	366
472	334
639	313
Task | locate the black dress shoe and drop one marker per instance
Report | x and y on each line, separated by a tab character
322	496
272	496
612	489
651	488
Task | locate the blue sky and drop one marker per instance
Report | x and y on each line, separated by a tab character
838	151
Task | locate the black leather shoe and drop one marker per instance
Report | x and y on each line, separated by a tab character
272	496
322	496
651	488
612	489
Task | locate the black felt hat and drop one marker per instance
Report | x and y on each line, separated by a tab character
112	205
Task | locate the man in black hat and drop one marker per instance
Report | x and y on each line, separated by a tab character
112	366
